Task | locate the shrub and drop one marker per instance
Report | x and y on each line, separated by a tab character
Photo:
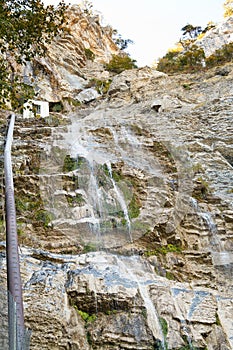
119	63
86	317
102	86
45	217
188	60
191	59
220	56
89	54
69	164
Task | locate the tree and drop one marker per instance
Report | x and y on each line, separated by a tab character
191	30
26	27
189	60
119	41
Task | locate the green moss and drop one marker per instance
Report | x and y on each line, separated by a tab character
111	312
197	168
124	222
26	202
116	176
144	313
187	86
169	248
86	317
89	339
72	102
140	225
202	189
57	107
81	161
75	200
218	323
126	188
20	228
90	247
170	276
134	207
44	216
164	325
69	164
2	226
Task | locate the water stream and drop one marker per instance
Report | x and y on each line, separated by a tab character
121	200
220	256
94	200
182	317
132	268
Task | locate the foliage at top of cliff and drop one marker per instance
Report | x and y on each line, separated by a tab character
189	56
26	26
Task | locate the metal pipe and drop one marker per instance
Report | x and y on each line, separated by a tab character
13	265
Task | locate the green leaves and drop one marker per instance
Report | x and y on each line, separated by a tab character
189	60
26	27
119	63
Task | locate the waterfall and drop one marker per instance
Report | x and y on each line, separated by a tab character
184	326
152	315
208	219
220	256
121	201
215	241
94	197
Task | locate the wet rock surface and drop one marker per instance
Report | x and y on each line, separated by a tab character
125	216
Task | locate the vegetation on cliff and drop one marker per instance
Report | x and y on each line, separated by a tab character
188	56
25	29
119	63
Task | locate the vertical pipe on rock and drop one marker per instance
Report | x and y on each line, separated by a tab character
16	331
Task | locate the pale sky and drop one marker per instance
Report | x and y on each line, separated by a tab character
154	25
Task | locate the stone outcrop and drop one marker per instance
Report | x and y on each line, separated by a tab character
106	301
74	58
216	37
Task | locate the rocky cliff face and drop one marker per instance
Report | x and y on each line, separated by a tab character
215	38
125	216
74	58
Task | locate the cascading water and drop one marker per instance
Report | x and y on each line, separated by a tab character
132	268
121	201
184	326
94	198
220	256
105	206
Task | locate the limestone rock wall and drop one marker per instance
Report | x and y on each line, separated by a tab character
125	216
68	66
215	38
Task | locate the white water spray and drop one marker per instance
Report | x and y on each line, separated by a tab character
121	201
